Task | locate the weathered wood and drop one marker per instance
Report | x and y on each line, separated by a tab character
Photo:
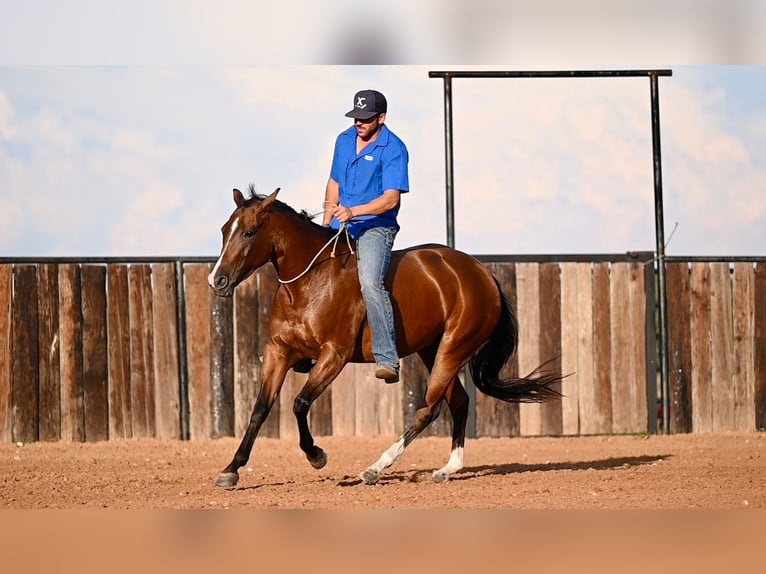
343	397
6	353
94	353
247	366
585	351
759	344
527	296
493	417
71	333
165	343
721	347
602	350
141	351
49	426
550	341
621	347
679	347
222	367
570	403
702	396
118	336
390	416
25	354
198	309
637	375
320	415
367	389
267	288
743	325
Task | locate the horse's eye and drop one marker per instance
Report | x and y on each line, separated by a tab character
250	233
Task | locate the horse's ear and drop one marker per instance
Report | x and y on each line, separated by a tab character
267	203
238	198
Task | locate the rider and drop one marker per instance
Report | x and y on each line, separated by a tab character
368	175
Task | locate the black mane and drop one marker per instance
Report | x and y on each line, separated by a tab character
253	197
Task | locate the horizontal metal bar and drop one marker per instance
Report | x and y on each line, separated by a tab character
717	259
549	73
641	256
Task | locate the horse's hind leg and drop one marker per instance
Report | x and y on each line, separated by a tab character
457	400
437	385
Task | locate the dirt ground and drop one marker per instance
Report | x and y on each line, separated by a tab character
613	472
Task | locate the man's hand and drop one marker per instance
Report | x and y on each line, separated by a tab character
343	214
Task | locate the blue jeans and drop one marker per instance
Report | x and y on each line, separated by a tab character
374	255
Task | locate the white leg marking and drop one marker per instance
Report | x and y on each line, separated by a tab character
389	457
454	464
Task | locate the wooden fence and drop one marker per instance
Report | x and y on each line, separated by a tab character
94	350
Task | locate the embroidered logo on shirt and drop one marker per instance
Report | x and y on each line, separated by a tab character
368	157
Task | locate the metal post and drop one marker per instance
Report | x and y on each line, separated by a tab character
183	370
660	233
449	160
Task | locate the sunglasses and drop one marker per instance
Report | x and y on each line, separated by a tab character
367	121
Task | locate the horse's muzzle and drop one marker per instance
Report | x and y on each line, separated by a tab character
222	286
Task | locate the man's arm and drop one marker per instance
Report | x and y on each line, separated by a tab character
380	204
331	198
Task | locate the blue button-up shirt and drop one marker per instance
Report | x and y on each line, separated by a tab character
362	177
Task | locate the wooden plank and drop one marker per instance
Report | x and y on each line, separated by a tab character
528	297
759	344
71	368
586	390
570	405
702	373
94	353
679	347
247	367
166	369
721	347
25	354
367	389
49	427
496	418
222	367
6	353
619	300
602	350
118	336
141	351
550	340
743	372
639	416
390	419
343	397
198	303
320	415
267	289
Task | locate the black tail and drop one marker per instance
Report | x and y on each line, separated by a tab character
491	357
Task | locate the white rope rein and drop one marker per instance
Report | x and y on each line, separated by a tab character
334	240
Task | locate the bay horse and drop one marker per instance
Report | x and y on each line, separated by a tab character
448	308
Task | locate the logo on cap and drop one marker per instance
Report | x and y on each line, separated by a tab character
360	102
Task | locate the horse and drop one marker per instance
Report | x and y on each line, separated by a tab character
448	308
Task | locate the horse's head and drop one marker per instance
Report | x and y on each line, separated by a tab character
245	247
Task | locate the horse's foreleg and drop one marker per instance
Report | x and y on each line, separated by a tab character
274	371
322	375
457	400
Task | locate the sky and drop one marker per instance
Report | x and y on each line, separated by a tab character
124	127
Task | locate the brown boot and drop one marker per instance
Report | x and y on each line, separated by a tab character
387	373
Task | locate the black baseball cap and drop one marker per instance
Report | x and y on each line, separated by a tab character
367	104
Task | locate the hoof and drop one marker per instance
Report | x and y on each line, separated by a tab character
370	476
319	459
440	476
227	479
